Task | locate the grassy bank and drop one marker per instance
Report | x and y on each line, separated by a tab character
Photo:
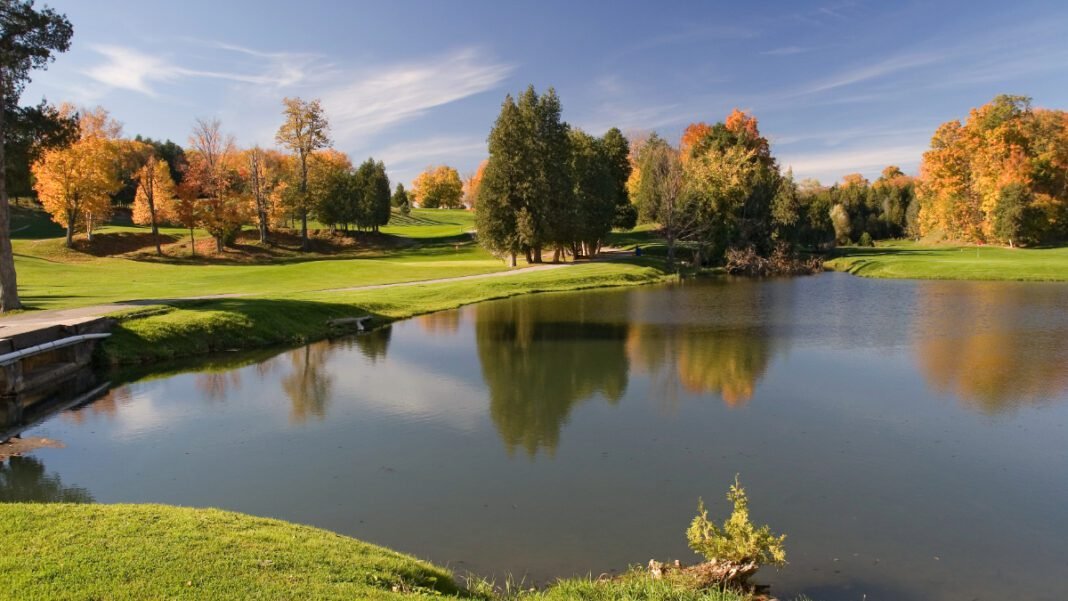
120	264
70	551
902	259
190	328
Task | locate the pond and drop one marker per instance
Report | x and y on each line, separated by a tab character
910	438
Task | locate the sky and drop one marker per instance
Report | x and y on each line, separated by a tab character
837	86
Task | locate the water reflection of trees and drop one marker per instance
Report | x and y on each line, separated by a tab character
724	361
709	338
995	345
442	322
24	479
308	383
542	356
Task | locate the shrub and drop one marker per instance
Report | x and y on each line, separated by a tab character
865	240
738	540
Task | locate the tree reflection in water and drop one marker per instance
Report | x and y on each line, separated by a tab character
24	479
996	345
308	383
721	345
540	358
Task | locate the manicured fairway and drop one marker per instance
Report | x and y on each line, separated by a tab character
910	260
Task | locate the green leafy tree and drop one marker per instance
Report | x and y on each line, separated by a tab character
29	39
503	196
1011	212
661	194
617	154
304	131
738	540
594	207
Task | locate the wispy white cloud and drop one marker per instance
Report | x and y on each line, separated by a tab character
831	166
390	95
131	69
869	72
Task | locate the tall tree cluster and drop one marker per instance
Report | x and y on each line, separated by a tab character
546	186
353	198
1001	176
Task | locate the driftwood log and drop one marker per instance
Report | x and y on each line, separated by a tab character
712	574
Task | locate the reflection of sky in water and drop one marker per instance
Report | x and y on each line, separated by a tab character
880	424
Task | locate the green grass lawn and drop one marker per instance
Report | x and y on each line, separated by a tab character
51	276
904	259
122	552
67	551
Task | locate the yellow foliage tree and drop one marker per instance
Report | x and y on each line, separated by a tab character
75	184
438	187
154	199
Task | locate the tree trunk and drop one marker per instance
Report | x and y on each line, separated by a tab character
304	199
155	227
192	243
219	246
70	229
556	255
512	262
304	229
9	294
530	256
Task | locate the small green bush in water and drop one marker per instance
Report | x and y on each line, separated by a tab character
739	540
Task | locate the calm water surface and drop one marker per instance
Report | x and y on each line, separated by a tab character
911	438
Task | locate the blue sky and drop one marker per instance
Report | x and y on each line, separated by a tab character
838	87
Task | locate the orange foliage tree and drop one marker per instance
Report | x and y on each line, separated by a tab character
472	184
1000	176
75	184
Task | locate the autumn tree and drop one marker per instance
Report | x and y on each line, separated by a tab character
438	188
329	191
266	181
29	39
75	183
304	131
214	178
732	179
982	177
471	185
155	195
